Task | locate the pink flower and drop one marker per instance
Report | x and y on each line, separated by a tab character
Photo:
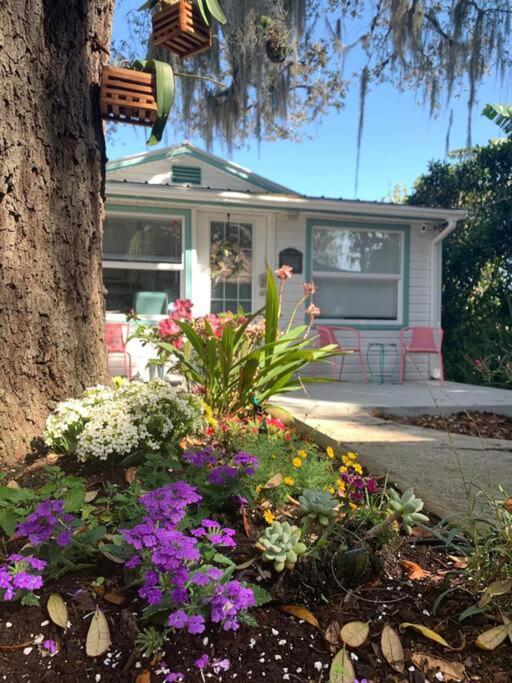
182	309
168	328
284	273
309	288
313	311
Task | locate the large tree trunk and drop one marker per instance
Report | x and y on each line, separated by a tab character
52	160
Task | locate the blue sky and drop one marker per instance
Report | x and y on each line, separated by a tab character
398	142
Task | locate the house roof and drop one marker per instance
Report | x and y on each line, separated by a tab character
148	174
291	203
187	150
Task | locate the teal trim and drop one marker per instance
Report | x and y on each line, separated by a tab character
272	207
186	214
206	158
405	229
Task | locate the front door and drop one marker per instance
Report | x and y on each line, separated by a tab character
237	249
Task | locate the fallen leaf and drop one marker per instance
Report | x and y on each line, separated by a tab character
130	474
114	597
57	610
90	496
392	649
494	589
301	613
12	484
98	635
332	634
428	633
489	640
342	669
414	571
508	504
355	633
144	677
419	532
274	481
248	528
427	663
458	562
247	563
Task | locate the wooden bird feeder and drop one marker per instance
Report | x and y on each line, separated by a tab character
181	29
128	96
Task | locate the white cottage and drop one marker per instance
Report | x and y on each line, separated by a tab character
173	214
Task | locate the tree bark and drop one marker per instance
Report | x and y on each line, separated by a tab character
52	163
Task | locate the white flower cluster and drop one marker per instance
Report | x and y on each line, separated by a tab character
133	416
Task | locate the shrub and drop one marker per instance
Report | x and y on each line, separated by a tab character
134	417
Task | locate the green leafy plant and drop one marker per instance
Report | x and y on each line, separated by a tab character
164	77
281	544
231	369
317	506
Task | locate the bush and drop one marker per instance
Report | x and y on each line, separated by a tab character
112	423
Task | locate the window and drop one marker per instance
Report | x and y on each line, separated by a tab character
231	266
142	263
358	273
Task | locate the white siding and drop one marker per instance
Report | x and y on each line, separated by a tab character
159	173
291	232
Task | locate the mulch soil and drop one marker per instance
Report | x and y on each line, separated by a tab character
471	423
281	647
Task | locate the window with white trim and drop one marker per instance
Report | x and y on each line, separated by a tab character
142	263
359	273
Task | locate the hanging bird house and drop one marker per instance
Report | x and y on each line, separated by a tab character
181	29
128	96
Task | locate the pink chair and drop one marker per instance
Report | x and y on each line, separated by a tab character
329	334
421	340
116	339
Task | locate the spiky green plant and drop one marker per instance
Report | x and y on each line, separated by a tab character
317	506
280	543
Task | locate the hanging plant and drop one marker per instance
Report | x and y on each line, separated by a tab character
184	26
277	39
140	95
227	260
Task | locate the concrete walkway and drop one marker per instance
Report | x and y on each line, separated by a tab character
439	466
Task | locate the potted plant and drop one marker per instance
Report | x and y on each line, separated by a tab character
140	95
184	26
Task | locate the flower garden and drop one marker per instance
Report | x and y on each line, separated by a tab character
195	534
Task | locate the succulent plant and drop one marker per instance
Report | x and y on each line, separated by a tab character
407	507
317	505
281	545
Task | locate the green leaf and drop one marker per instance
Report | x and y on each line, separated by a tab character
501	114
216	11
8	521
164	76
222	559
74	500
261	596
271	309
149	4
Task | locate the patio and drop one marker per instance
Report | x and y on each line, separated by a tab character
438	465
410	398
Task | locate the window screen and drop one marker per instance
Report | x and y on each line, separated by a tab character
140	239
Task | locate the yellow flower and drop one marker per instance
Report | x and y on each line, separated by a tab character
289	481
259	488
343	469
352	456
268	516
346	460
297	462
353	506
302	454
330	452
340	484
330	489
357	468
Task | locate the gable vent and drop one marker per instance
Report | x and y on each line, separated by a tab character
188	175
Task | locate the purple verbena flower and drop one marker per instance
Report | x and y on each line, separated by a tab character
227	600
202	661
50	646
168	503
174	676
222	475
220	665
249	462
201	458
195	624
47	520
212	531
240	501
177	619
